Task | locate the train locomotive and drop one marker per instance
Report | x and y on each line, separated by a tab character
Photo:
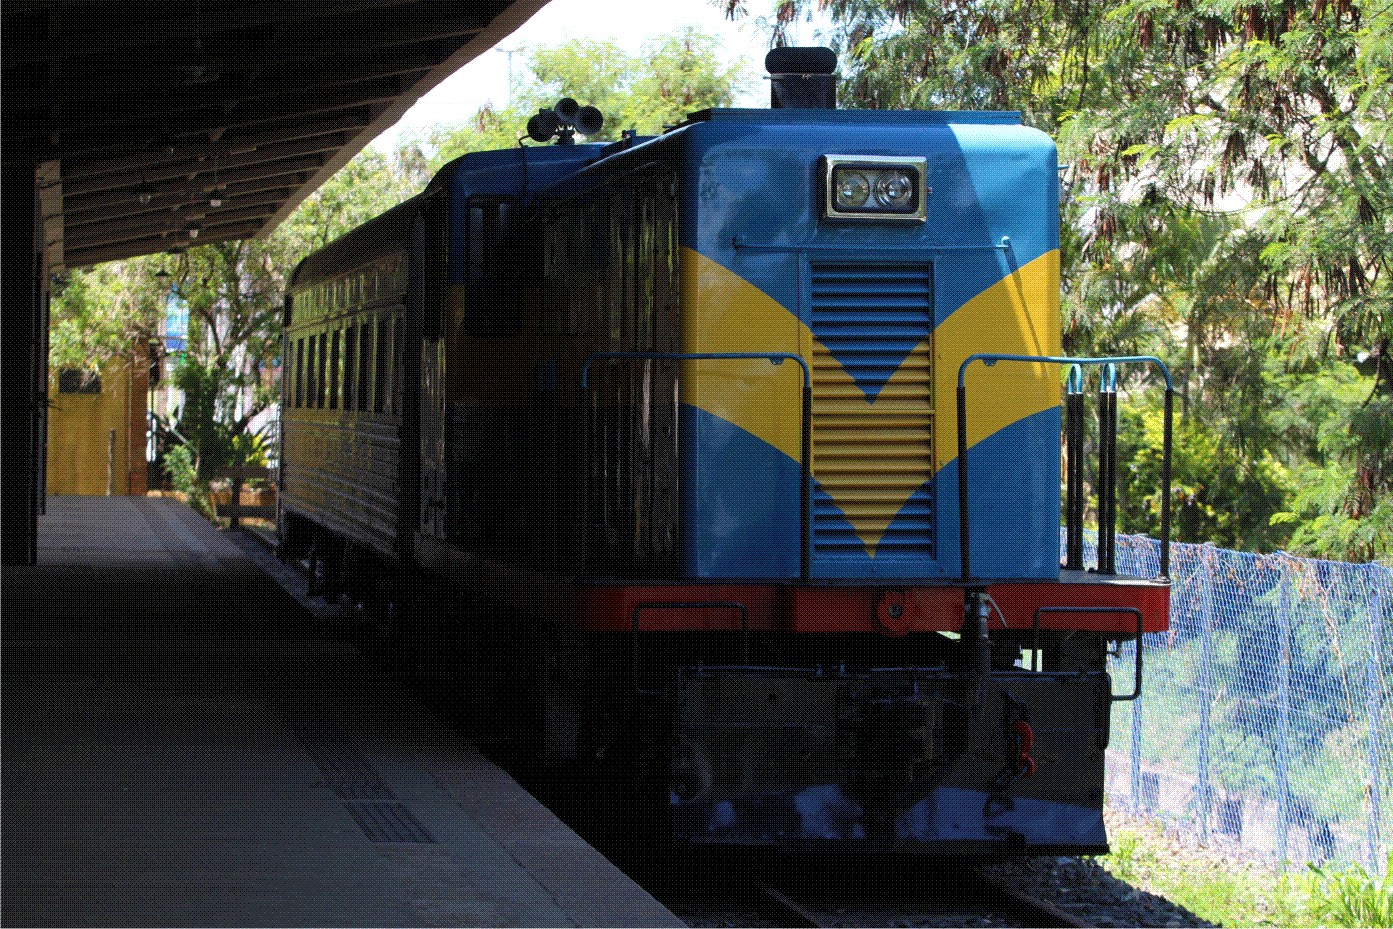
698	417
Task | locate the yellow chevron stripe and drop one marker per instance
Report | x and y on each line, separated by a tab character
726	313
723	312
1019	315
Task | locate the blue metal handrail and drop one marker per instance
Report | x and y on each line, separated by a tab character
1109	385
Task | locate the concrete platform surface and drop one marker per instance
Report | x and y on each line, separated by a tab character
179	749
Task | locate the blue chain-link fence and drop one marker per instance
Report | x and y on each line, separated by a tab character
1265	719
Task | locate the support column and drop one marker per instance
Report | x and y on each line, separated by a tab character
23	365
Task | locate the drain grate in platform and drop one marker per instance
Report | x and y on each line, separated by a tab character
378	812
388	822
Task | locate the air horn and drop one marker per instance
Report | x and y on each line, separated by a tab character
563	121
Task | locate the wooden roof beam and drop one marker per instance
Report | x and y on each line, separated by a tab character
172	221
227	168
105	33
127	207
76	258
226	91
115	134
231	142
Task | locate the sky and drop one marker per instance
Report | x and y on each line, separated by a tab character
627	22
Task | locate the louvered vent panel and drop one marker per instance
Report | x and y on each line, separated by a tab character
872	409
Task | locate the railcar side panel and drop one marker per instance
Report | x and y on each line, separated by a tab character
348	420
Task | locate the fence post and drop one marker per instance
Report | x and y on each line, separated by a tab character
111	464
236	489
1283	753
1136	754
1373	701
1203	790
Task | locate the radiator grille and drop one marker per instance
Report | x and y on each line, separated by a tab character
872	410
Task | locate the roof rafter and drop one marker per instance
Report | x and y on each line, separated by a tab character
260	100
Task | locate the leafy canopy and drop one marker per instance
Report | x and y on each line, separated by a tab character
665	81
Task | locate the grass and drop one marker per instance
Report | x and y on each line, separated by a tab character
1232	892
1352	896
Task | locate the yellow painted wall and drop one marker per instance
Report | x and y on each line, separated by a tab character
79	434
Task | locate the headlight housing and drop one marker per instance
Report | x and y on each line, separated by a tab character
874	187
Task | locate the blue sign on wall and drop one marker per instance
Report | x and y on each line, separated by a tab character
176	322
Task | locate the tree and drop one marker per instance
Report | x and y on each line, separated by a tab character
227	374
668	79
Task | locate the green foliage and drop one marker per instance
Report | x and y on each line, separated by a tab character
206	432
1219	890
1343	506
1220	495
668	79
102	313
1122	862
370	184
181	465
1351	896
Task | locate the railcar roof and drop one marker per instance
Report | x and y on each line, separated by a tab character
388	232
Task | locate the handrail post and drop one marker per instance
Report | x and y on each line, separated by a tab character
964	545
805	503
1166	482
1073	444
1107	470
235	487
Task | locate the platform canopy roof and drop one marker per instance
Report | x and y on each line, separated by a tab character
140	116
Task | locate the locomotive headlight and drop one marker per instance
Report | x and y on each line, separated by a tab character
894	189
874	187
852	189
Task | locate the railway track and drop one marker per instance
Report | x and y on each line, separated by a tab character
845	891
984	896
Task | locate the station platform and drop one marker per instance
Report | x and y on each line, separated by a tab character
180	748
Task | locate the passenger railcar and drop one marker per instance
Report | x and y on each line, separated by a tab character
686	411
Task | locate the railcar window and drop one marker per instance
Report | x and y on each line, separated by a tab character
309	373
494	269
364	365
298	396
350	366
334	369
75	381
322	379
384	339
398	353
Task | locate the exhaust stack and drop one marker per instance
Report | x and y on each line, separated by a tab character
804	78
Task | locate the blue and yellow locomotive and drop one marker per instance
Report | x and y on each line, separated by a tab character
684	411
